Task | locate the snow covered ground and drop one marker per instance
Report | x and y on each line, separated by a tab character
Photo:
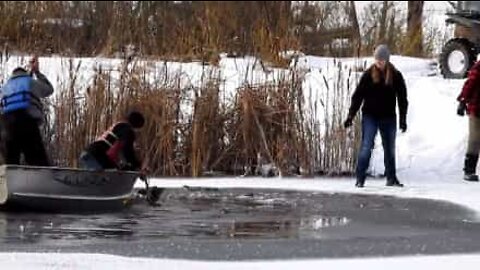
429	161
96	261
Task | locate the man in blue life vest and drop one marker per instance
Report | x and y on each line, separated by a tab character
22	114
114	149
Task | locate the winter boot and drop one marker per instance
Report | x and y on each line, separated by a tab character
470	168
470	177
393	182
360	183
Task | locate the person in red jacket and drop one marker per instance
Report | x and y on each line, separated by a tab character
114	148
469	102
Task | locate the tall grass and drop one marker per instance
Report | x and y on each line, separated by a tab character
192	129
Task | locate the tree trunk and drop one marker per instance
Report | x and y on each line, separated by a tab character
382	29
413	44
357	42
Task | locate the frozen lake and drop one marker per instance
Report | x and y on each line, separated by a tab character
246	224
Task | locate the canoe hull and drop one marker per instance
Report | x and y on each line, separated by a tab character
64	189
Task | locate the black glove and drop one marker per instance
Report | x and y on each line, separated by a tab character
348	122
462	107
403	123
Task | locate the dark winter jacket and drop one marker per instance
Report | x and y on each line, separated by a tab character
471	91
119	135
379	94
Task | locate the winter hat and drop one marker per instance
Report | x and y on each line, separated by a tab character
19	70
382	53
135	119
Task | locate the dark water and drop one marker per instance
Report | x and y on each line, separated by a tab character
252	224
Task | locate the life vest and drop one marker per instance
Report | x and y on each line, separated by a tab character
17	95
115	146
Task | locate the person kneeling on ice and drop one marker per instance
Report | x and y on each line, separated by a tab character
378	90
114	149
469	102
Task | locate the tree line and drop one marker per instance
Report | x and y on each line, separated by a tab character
200	30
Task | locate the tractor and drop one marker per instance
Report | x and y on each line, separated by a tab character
460	53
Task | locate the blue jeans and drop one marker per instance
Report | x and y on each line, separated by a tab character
87	161
388	132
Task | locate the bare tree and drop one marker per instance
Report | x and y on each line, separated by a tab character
355	28
413	44
382	28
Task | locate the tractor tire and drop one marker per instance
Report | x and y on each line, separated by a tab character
457	57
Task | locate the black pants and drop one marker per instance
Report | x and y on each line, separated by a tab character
22	135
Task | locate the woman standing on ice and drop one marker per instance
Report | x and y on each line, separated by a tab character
380	87
469	100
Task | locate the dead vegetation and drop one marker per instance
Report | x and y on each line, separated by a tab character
193	130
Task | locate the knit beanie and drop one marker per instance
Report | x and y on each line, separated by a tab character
382	53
